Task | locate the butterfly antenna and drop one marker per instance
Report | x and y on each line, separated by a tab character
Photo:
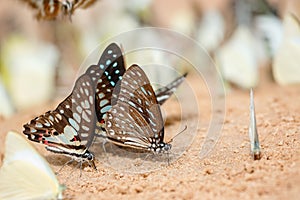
171	140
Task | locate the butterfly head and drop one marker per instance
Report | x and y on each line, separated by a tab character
90	157
160	147
166	147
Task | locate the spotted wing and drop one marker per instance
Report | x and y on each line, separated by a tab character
49	9
69	128
112	62
135	120
105	75
83	3
164	93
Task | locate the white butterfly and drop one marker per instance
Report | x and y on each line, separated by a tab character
25	174
253	135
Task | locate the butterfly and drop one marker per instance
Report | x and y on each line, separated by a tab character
51	9
25	174
253	135
135	120
70	128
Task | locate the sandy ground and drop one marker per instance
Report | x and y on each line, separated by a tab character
229	172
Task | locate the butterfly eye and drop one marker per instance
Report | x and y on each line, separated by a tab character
167	147
88	155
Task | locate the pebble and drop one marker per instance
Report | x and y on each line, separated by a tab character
209	171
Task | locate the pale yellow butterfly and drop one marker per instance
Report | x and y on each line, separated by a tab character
25	174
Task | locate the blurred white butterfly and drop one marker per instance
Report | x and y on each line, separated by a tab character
25	174
253	135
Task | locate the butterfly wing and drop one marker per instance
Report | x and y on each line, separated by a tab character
83	3
69	128
105	76
135	120
47	9
164	93
24	173
51	9
112	61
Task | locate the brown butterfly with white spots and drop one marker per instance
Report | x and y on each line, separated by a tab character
135	119
70	128
53	9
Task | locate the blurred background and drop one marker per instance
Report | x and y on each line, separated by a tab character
39	59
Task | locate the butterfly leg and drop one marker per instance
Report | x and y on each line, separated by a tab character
103	146
71	173
105	152
80	163
90	163
70	161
